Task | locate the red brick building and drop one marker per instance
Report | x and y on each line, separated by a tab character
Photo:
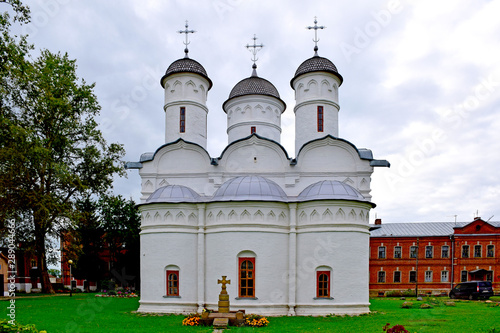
433	257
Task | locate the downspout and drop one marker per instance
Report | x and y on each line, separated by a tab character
452	239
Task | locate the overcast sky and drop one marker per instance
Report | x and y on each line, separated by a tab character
421	82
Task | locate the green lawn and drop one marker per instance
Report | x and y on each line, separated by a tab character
87	313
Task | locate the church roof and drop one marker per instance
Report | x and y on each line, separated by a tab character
186	65
250	188
174	194
254	85
316	64
330	190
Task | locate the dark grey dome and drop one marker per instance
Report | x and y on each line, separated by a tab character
330	189
175	194
186	65
250	188
316	64
254	85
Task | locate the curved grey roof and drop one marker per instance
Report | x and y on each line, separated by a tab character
254	188
317	64
186	65
174	194
254	85
330	189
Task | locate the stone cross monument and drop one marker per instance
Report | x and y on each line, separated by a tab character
223	296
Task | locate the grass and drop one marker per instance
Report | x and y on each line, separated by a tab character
87	313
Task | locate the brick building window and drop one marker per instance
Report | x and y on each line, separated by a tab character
429	251
413	251
444	276
172	283
381	252
247	277
320	119
465	251
428	276
182	123
323	284
490	251
445	251
381	277
413	276
463	276
477	251
397	252
397	277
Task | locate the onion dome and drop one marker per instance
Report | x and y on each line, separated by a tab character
331	190
250	188
254	85
186	65
316	64
174	194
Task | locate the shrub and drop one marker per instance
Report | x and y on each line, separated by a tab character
256	320
425	306
6	327
395	329
111	293
192	319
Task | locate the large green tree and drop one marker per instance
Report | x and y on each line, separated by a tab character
52	152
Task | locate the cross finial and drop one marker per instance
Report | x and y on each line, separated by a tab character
316	40
224	282
186	31
256	48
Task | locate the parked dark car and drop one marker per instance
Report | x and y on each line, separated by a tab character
472	290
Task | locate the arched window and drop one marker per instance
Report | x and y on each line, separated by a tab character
172	283
246	277
323	284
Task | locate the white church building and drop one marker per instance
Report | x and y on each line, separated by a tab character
291	233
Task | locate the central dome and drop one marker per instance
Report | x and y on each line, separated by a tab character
250	188
186	65
254	85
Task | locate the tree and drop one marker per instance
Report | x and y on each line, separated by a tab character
52	152
108	231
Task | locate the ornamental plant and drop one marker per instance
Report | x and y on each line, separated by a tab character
192	319
256	321
394	329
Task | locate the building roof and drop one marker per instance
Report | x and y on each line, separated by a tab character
174	194
413	229
186	65
254	85
316	64
250	188
330	190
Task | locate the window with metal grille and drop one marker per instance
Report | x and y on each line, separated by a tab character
381	277
252	130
